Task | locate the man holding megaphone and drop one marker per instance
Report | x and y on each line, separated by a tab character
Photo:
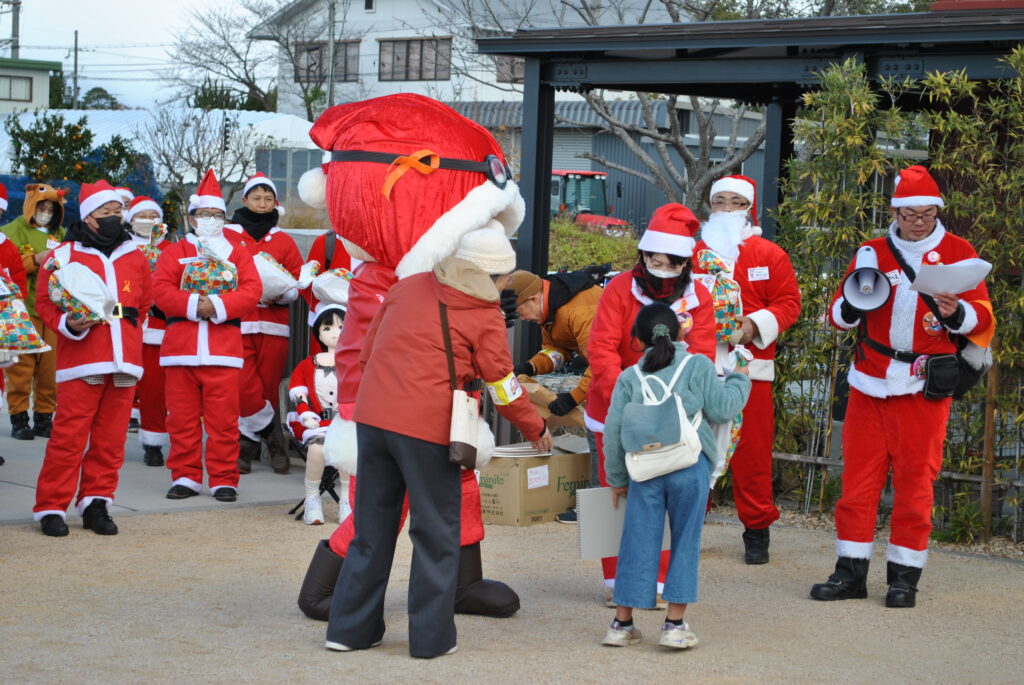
905	372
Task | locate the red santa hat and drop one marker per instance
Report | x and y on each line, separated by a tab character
3	198
408	177
261	179
208	195
126	194
141	204
744	186
672	230
92	196
915	187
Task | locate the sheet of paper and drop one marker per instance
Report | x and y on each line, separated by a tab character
537	477
599	528
955	278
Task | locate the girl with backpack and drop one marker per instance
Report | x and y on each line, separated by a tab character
663	404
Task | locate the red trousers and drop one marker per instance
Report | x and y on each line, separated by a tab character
472	523
609	564
198	397
152	399
86	447
751	464
262	371
904	433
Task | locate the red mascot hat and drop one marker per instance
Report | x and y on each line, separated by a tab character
408	177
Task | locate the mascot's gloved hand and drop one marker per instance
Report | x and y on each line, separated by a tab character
526	368
508	307
849	313
563	404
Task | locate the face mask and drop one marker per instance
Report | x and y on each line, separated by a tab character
143	227
109	227
209	226
658	273
42	218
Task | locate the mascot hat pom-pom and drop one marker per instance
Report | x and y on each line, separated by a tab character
408	177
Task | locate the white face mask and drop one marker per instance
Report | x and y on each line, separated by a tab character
209	226
143	227
658	273
42	218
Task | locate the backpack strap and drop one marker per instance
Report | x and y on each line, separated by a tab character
649	396
329	240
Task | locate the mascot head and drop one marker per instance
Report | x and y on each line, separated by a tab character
408	177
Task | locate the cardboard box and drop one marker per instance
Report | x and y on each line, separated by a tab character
524	491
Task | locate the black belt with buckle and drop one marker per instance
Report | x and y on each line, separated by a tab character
327	414
122	312
178	319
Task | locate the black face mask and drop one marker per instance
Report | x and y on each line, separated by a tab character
108	229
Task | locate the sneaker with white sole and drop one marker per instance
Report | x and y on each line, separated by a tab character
338	647
617	636
677	637
313	511
568	516
344	510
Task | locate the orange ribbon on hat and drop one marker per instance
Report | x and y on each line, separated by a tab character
406	162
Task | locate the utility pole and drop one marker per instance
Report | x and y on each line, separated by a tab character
74	77
15	28
330	53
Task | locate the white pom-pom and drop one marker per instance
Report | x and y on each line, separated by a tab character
484	444
280	210
313	188
756	230
340	448
193	201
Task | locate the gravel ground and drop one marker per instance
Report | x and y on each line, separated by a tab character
210	596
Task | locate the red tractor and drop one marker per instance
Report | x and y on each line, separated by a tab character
582	195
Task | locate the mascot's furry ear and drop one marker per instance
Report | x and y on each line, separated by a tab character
313	187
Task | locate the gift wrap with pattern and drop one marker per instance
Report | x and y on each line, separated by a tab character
16	330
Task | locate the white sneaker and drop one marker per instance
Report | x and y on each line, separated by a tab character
617	636
338	647
344	510
314	511
677	637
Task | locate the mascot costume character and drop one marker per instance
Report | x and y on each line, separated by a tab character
407	178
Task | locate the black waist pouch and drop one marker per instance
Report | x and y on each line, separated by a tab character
941	376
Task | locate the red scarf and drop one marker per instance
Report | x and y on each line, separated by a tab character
666	290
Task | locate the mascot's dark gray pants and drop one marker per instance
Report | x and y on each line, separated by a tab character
389	465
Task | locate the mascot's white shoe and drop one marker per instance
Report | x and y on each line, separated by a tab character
344	510
314	511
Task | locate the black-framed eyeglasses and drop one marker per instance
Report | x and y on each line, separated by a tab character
496	171
919	218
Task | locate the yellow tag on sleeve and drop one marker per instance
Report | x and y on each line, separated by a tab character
506	391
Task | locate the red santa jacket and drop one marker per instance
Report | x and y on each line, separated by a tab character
771	297
905	322
153	332
113	347
318	254
612	347
10	262
193	341
303	384
270	319
406	387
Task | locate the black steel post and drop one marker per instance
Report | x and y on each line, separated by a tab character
778	148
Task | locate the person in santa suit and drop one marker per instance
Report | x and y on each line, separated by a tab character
205	285
264	331
662	274
327	252
98	365
144	218
10	262
408	178
756	298
889	423
314	390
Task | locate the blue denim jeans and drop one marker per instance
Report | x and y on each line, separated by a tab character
684	495
594	480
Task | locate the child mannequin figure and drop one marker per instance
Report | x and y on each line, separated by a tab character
314	391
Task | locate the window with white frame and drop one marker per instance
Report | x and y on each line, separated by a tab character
418	59
16	88
311	61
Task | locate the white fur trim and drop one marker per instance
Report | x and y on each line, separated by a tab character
258	181
188	483
191	307
767	328
312	188
837	315
293	393
854	550
266	328
733	185
97	200
206	202
309	415
142	207
898	381
205	359
485	202
98	368
86	501
917	201
154	439
761	370
906	556
37	516
221	314
249	426
666	243
593	424
484	443
341	449
970	319
3	205
153	336
976	356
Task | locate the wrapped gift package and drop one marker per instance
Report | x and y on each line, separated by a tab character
332	286
76	289
276	279
16	330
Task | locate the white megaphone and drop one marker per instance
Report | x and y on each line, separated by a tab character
866	288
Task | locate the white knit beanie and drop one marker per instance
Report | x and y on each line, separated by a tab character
489	249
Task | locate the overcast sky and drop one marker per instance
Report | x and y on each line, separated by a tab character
123	43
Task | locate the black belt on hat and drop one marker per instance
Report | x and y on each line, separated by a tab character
179	319
898	355
130	313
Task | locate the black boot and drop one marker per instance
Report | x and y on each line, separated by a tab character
20	429
318	585
53	525
279	460
755	545
848	581
476	595
152	455
42	424
248	452
96	518
902	585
